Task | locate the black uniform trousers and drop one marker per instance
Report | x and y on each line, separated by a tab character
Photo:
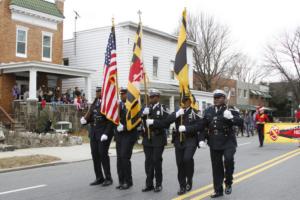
99	151
260	130
124	145
218	167
185	163
153	164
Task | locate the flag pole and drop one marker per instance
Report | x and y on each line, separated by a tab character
181	117
182	96
144	74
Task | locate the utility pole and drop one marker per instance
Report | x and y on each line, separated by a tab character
75	35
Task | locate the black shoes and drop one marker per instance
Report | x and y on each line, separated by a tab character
148	188
228	189
189	186
125	186
216	195
157	188
181	191
97	182
107	182
119	186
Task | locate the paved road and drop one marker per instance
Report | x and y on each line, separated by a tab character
276	179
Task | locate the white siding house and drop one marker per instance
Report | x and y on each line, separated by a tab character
159	50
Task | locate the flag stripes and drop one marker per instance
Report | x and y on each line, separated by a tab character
109	93
181	68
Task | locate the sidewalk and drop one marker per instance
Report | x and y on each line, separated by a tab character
66	154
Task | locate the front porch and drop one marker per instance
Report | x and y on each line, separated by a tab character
37	74
29	77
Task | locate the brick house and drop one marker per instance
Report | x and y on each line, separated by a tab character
31	49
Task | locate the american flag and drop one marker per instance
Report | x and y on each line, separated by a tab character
109	93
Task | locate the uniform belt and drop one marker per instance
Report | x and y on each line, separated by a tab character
217	132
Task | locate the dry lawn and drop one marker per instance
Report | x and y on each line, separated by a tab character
21	161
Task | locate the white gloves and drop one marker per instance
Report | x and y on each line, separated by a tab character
202	144
181	128
179	112
83	121
149	122
146	111
227	114
120	128
103	138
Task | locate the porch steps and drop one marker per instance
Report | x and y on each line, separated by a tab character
19	127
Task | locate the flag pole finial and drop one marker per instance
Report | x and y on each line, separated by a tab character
113	21
140	15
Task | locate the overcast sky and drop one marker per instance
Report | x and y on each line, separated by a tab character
252	22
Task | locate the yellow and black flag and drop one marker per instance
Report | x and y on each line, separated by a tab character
181	67
136	75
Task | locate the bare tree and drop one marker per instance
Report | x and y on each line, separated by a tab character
284	58
213	57
246	70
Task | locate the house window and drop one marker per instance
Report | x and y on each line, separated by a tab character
47	47
21	43
172	73
245	93
232	93
226	89
155	66
240	93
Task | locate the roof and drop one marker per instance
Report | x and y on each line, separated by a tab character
260	93
38	5
70	71
155	31
135	25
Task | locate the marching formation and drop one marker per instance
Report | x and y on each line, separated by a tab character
216	127
127	119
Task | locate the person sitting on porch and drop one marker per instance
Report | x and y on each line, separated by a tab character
15	92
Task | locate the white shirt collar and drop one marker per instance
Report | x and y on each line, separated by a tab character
185	110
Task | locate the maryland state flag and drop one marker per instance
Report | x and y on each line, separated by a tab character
181	67
136	75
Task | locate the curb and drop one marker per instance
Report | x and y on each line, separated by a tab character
56	163
32	166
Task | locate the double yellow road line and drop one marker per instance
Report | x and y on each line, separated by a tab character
243	175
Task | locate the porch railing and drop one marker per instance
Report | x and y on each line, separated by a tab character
10	121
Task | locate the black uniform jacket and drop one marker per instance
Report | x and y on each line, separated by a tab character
99	124
158	135
191	120
123	112
219	130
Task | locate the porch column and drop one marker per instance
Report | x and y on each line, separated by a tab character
32	84
88	88
172	104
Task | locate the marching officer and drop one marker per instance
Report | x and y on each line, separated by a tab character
125	141
154	141
100	134
185	141
218	120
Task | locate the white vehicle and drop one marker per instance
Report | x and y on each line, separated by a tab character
62	127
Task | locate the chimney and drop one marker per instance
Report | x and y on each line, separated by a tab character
60	5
